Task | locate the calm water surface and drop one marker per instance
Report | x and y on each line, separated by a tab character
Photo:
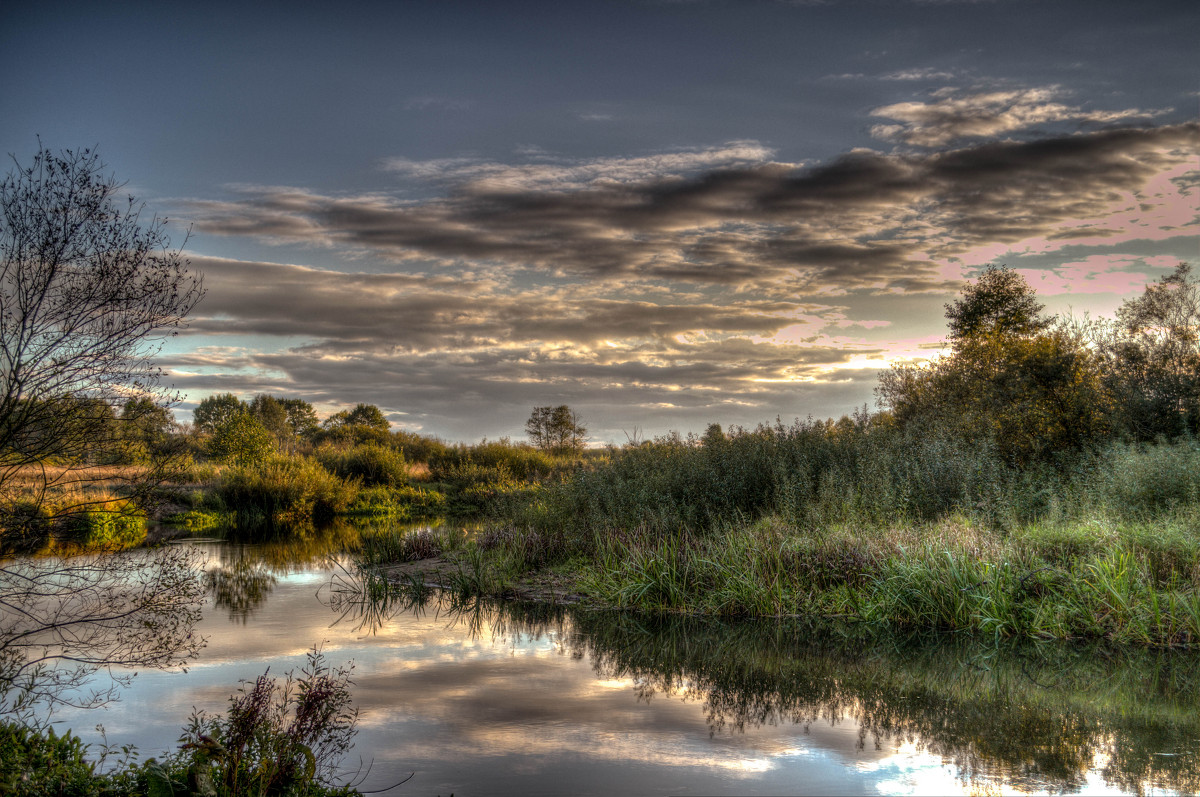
529	700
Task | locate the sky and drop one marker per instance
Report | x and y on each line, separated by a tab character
662	213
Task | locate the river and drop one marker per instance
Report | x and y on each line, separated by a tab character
518	699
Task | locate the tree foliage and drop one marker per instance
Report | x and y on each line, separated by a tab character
242	440
88	290
1011	379
1153	358
366	423
214	410
999	304
557	429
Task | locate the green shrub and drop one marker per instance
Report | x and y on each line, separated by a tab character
370	463
1143	479
35	763
284	489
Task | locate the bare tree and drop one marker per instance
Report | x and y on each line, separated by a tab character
88	292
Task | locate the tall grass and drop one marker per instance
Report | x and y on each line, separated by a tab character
284	490
369	463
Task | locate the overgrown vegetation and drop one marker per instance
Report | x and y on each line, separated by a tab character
275	739
1004	489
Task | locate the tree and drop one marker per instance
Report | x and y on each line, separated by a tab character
145	430
1010	379
368	415
242	440
1153	358
214	410
556	429
301	417
365	423
271	414
88	292
999	303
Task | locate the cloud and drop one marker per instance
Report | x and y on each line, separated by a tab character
925	73
659	291
477	175
434	351
867	220
954	115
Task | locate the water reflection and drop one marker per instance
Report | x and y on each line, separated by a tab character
524	699
1030	717
247	564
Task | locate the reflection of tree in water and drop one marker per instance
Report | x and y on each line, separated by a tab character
249	566
240	588
1027	716
1033	717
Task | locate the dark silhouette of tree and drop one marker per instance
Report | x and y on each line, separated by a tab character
88	291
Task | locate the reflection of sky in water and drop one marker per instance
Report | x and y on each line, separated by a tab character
497	715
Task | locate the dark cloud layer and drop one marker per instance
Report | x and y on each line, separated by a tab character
868	219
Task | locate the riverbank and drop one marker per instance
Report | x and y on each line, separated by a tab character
1127	582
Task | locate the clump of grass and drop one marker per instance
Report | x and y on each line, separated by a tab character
391	545
283	490
529	549
369	463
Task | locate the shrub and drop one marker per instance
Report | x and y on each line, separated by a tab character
34	763
370	463
285	489
275	737
1140	479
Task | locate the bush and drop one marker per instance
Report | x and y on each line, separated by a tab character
34	763
1140	479
370	463
284	489
276	737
